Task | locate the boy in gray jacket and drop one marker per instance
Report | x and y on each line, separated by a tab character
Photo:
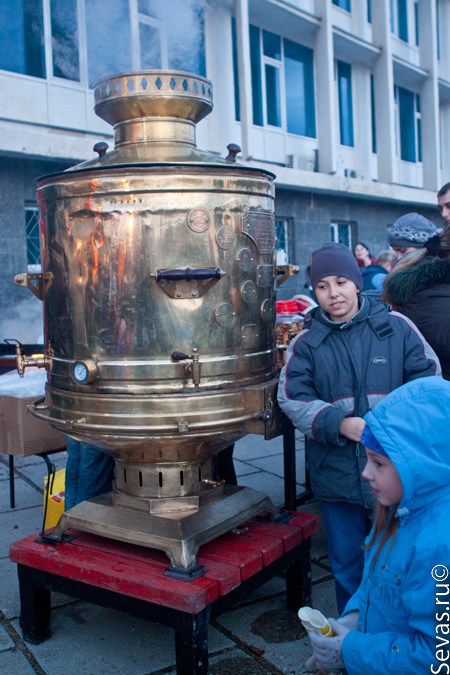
351	353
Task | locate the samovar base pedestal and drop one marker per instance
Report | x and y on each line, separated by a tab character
178	533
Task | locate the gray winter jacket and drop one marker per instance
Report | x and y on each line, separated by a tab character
335	370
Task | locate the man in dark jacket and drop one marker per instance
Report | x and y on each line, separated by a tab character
351	353
419	288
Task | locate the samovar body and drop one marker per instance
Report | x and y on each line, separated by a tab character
158	283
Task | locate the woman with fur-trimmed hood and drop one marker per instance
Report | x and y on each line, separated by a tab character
419	288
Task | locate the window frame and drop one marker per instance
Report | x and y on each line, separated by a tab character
400	125
136	18
285	223
350	228
259	62
403	21
346	126
32	239
48	29
346	5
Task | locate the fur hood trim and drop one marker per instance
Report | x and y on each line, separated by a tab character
401	287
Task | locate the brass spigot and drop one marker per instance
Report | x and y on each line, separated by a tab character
23	362
192	369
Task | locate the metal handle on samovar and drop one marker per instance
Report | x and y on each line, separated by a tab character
189	274
192	369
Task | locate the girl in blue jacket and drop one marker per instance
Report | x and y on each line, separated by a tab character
399	619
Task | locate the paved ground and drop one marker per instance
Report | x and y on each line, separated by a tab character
256	637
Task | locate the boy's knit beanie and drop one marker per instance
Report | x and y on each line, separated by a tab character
411	231
334	260
369	440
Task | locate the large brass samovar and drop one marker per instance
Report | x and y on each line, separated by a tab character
158	282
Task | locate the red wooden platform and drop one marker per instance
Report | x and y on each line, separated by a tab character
131	578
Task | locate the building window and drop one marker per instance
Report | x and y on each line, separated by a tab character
284	71
149	43
255	57
114	54
399	18
272	63
64	26
299	84
284	243
172	35
32	239
418	128
372	111
163	41
344	79
237	98
409	124
438	33
343	4
416	20
342	233
22	37
402	19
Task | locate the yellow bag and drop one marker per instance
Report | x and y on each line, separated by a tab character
55	503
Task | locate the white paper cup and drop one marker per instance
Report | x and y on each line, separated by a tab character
314	621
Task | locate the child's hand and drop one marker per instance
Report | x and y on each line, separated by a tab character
352	428
328	650
350	620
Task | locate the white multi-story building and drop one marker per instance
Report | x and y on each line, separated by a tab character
346	101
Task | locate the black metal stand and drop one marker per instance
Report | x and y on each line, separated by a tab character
50	473
291	499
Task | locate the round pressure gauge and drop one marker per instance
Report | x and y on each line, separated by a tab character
84	372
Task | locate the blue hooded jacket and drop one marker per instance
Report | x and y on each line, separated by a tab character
404	598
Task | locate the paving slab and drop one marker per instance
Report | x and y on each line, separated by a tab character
267	483
17	524
253	446
243	468
13	661
26	495
269	629
102	640
9	589
275	465
237	662
5	640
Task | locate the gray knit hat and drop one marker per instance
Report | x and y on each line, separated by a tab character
411	230
334	260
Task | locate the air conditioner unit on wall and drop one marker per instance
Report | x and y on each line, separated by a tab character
290	160
303	162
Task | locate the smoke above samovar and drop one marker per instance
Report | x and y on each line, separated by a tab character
158	284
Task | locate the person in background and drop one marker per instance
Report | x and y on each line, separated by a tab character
410	232
350	354
419	288
89	472
362	255
399	614
444	202
374	275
